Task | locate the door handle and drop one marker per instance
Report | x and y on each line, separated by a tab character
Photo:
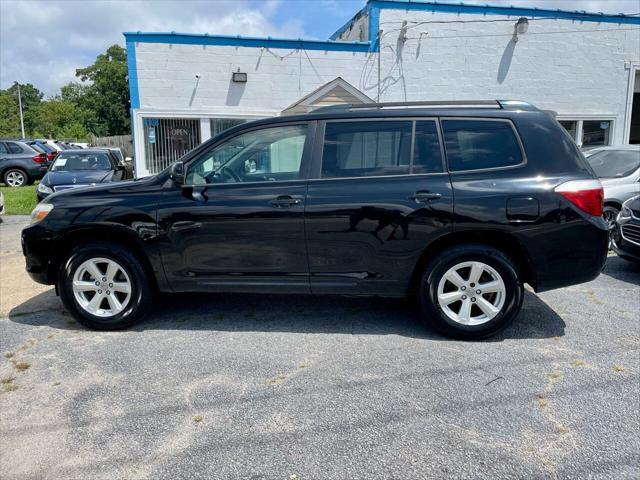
424	197
285	201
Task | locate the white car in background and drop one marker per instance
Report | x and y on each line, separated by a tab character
618	168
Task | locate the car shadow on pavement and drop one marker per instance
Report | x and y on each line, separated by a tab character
286	313
622	270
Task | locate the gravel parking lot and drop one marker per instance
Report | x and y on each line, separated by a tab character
248	386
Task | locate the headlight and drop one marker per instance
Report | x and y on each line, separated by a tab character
40	212
42	188
625	212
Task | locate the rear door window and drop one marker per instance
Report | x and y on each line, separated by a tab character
480	144
361	149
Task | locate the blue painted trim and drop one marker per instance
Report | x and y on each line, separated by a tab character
134	95
374	27
497	10
238	41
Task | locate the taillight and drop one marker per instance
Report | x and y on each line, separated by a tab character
40	158
587	195
51	156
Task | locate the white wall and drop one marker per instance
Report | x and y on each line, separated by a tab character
166	76
576	72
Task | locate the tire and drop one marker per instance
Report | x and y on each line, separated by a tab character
15	177
503	300
105	313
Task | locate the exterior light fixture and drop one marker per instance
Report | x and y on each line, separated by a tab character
239	77
520	28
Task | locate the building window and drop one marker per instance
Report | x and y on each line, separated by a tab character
596	133
168	139
589	133
219	125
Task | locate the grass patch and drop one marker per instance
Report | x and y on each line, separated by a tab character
19	200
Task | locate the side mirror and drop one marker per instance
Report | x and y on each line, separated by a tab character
177	173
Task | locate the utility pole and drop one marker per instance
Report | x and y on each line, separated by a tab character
21	117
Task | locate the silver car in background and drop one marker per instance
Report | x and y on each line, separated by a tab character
618	168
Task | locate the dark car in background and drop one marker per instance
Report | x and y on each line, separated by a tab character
43	148
21	164
625	238
456	204
81	168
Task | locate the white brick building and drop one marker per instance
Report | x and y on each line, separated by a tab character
584	66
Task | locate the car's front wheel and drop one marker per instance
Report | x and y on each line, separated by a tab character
105	286
470	292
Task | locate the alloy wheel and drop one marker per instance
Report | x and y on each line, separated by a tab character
471	293
15	178
101	287
609	216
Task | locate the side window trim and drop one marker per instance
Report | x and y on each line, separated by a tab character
492	169
305	162
318	150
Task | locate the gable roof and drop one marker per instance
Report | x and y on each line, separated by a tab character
337	90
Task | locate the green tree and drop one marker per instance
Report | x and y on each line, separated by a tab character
9	115
58	118
107	93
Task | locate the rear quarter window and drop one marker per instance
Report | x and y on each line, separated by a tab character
14	147
480	144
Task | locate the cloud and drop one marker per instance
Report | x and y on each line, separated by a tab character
43	42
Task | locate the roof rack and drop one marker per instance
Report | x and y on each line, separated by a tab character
494	104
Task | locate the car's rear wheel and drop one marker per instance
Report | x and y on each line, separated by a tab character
15	177
105	286
470	292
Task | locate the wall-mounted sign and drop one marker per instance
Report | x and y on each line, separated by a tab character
152	122
152	135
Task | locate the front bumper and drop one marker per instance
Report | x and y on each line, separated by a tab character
625	240
37	248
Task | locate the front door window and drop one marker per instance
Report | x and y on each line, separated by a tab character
265	155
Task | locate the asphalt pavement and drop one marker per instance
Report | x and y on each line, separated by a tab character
301	387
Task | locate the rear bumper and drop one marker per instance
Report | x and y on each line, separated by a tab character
568	254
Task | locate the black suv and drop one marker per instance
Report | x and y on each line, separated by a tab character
457	204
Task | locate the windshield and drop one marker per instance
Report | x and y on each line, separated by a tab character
67	162
615	163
